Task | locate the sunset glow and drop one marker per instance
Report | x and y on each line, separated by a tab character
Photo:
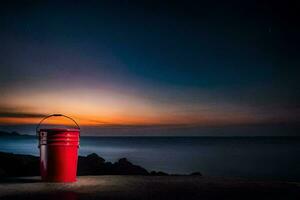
103	73
99	106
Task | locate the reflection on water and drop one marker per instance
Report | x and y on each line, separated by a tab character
266	157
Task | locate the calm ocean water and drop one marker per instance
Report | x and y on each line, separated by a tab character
274	158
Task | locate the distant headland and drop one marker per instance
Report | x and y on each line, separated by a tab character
13	134
13	165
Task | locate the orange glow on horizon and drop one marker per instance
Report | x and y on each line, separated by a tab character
136	121
104	107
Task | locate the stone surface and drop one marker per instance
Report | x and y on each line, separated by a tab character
147	187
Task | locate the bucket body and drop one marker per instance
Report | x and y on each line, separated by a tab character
58	154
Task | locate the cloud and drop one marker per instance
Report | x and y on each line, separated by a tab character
20	115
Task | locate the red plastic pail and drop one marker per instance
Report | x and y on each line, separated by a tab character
58	152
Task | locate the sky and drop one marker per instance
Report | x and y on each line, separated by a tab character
150	63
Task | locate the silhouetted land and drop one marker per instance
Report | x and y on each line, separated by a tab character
135	183
12	134
15	165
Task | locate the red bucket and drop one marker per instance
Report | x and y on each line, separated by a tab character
58	152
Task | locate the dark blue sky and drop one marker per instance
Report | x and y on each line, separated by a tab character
233	57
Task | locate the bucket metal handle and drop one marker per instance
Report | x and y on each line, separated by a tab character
55	115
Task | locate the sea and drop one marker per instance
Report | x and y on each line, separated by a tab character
258	158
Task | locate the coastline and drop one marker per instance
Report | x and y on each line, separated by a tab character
19	165
210	156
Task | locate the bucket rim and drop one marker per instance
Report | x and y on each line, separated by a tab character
59	130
